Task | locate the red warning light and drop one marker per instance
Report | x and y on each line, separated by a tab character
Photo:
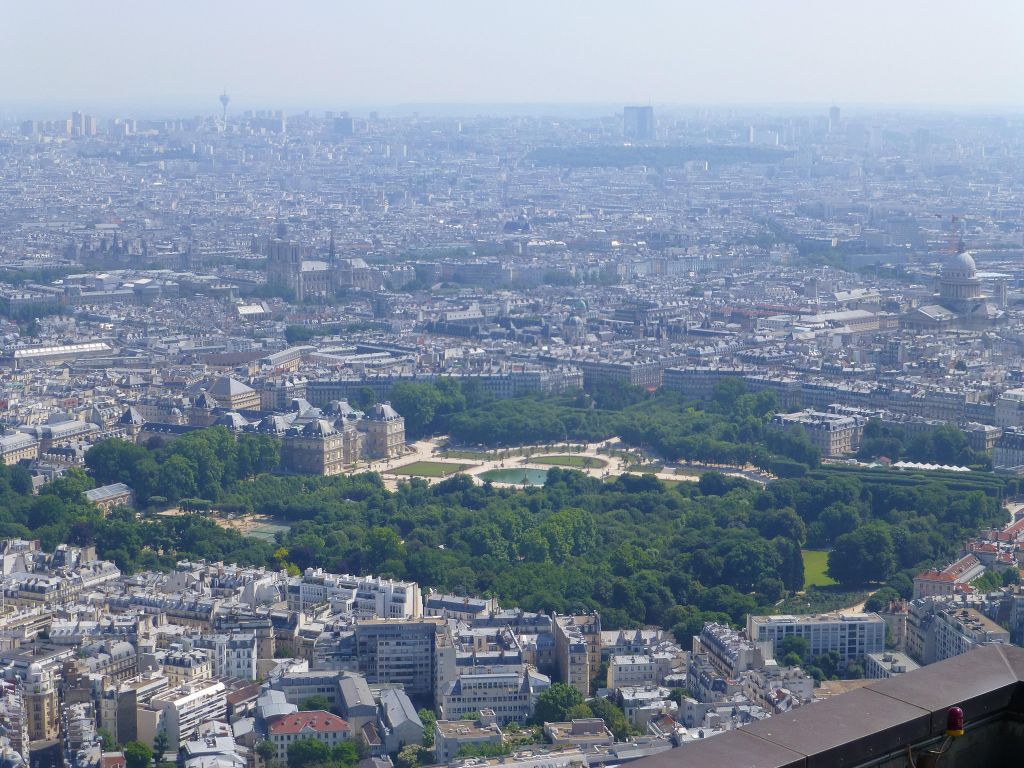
955	722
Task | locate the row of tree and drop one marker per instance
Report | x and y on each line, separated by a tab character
732	430
199	464
946	444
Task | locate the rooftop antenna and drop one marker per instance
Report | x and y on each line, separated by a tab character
224	99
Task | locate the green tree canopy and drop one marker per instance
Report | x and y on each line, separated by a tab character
316	702
555	702
266	750
304	753
863	556
137	755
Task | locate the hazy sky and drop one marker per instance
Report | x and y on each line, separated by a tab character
337	54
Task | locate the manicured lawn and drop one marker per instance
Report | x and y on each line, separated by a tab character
645	469
815	565
429	469
472	455
585	462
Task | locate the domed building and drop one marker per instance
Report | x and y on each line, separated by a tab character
959	284
960	301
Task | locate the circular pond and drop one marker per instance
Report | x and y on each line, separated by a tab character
515	476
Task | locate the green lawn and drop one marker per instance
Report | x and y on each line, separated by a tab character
815	566
429	469
584	462
472	455
645	468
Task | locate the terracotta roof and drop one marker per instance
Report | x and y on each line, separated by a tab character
983	548
962	565
317	720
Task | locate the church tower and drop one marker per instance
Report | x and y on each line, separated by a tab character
284	267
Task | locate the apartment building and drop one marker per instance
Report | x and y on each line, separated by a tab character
362	596
630	642
631	670
452	736
762	686
1008	453
180	711
639	373
233	655
120	703
938	630
577	649
1010	409
945	583
850	636
283	730
180	666
706	682
641	702
417	653
18	447
457	607
509	694
729	651
39	694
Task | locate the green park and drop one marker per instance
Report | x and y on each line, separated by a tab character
429	469
639	550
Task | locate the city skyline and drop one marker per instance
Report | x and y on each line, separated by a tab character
398	54
372	376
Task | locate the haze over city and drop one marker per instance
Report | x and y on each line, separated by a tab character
511	385
319	54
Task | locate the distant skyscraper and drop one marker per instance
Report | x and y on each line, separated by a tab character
224	99
77	124
343	126
638	123
833	118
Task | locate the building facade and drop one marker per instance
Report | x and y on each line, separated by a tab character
385	432
850	636
419	653
832	434
284	730
578	649
938	630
